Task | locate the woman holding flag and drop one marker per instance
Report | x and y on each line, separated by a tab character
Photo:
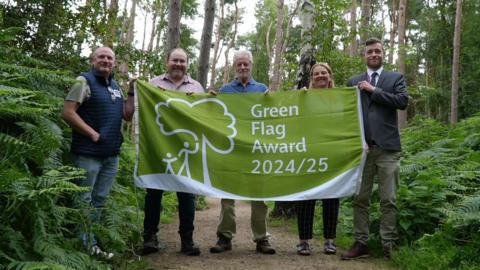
321	76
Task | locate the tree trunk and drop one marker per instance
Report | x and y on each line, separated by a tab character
157	40
402	114
174	14
365	21
276	67
226	70
393	29
382	12
144	30
112	23
83	25
307	56
455	64
353	34
307	59
286	38
206	42
125	23
216	49
127	42
267	43
284	209
131	24
154	26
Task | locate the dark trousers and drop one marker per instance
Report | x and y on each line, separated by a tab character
306	211
153	206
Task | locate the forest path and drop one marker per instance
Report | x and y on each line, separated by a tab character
243	255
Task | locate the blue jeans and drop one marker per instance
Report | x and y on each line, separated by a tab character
100	175
153	206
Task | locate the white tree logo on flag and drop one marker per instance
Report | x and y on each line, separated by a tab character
222	146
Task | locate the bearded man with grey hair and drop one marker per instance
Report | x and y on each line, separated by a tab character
243	83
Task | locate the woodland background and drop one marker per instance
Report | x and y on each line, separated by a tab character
42	49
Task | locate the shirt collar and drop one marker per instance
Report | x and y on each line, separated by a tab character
251	81
96	73
186	78
370	71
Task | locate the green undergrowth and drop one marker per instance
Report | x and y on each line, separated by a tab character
438	199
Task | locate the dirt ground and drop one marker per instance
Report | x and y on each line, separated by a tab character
243	255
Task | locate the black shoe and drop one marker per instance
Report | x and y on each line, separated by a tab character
188	246
264	247
223	244
151	244
190	249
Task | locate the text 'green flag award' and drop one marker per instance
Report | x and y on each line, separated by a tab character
291	145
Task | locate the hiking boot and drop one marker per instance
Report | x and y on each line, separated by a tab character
357	251
329	247
190	249
303	249
264	247
188	246
151	244
223	244
95	250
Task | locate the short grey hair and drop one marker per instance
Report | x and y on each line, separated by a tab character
94	52
241	53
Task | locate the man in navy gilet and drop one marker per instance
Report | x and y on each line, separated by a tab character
94	108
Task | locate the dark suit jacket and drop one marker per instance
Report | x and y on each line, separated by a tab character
380	108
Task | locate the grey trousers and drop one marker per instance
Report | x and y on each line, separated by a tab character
385	165
258	220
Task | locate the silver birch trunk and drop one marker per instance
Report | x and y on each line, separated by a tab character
455	64
307	59
402	114
275	75
144	30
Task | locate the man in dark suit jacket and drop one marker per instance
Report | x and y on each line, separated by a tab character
382	94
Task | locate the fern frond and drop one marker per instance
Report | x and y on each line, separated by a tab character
470	204
410	168
10	141
466	212
18	265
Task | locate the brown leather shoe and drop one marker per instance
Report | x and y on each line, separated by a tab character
357	251
223	244
264	247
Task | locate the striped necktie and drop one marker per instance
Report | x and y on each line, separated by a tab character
373	79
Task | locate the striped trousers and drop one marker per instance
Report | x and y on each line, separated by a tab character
306	211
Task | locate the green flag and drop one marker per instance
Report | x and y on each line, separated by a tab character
290	145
